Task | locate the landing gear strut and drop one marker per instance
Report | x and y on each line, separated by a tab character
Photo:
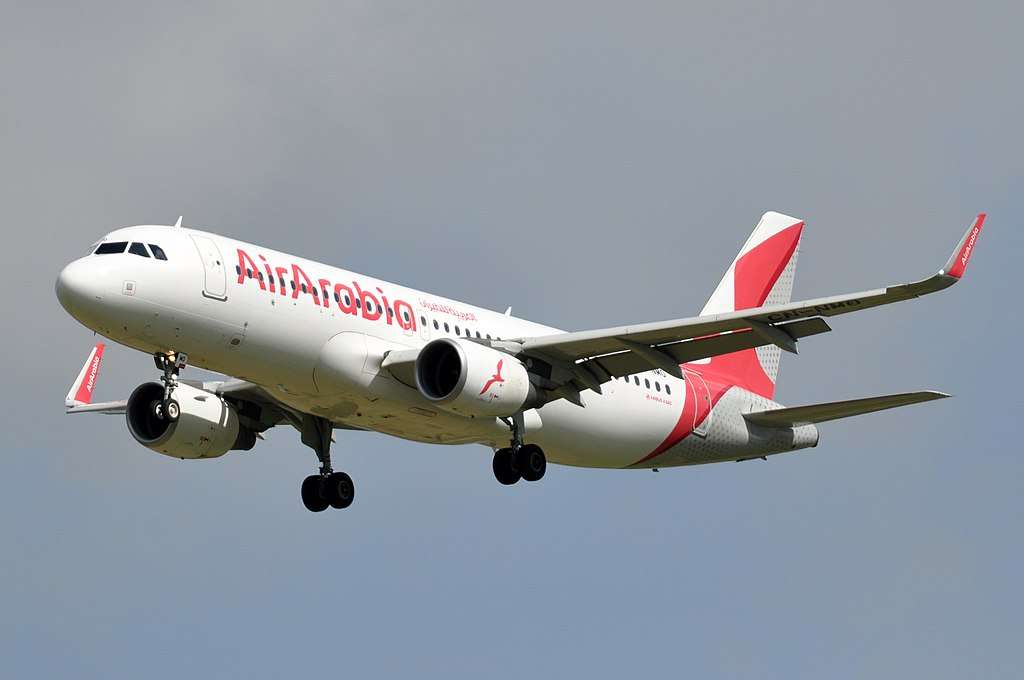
518	460
171	364
329	488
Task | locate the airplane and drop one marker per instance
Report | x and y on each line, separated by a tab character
321	349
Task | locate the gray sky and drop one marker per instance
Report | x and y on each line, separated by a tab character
590	166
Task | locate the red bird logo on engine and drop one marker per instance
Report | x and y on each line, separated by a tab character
496	378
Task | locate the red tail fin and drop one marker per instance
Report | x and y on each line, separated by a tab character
762	273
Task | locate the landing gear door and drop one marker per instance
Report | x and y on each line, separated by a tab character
215	285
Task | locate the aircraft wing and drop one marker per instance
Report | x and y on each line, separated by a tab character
271	411
601	354
111	408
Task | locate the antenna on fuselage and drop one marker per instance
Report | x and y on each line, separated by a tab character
178	223
508	312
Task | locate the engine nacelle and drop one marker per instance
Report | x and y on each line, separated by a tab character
206	428
472	380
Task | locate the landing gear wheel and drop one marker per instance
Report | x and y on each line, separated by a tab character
339	490
171	410
313	493
505	470
531	462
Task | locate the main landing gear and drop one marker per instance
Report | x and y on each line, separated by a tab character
329	488
518	460
171	364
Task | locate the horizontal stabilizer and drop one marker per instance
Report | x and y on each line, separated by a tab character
818	413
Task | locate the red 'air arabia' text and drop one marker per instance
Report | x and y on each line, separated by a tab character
350	299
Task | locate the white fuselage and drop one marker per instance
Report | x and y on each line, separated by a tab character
246	326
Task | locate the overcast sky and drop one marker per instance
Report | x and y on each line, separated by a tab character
589	165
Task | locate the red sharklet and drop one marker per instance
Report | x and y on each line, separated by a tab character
958	264
88	380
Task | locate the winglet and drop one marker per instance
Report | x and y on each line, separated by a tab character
81	391
957	264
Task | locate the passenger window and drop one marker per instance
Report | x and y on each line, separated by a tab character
303	288
359	303
158	252
113	248
423	321
457	331
668	390
446	328
238	270
636	379
478	335
657	386
647	383
488	336
436	326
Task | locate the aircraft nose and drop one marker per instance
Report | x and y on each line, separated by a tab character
75	286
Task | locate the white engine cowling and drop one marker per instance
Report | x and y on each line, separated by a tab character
472	380
206	428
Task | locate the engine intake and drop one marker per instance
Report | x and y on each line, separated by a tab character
206	428
473	380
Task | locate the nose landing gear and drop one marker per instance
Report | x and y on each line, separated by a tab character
329	488
171	364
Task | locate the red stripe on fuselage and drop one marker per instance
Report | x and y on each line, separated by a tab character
695	411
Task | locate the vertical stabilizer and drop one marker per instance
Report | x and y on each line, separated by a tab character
761	274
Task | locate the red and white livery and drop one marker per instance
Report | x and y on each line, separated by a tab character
321	348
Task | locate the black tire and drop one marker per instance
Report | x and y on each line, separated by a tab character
504	467
531	462
172	410
312	493
339	490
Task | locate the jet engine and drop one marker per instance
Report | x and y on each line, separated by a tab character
470	379
206	427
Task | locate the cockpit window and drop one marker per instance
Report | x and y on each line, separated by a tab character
158	252
112	248
138	249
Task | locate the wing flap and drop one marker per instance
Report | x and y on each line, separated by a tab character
627	363
819	413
